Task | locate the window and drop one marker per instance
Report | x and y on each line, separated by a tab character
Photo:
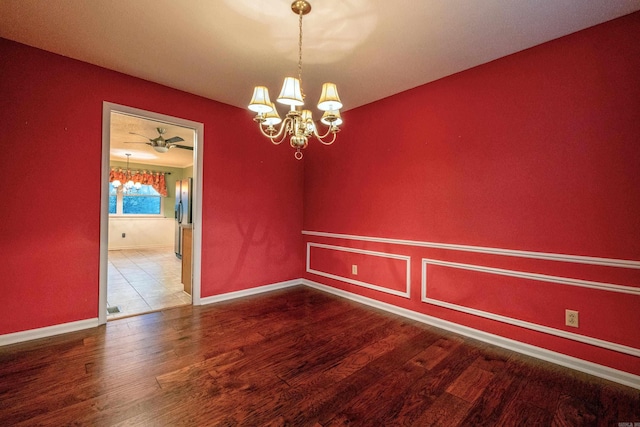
143	201
112	200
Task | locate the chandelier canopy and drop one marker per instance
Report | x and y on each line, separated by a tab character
298	122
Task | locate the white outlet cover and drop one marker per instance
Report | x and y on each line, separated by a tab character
571	318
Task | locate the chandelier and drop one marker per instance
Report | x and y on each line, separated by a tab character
129	186
298	123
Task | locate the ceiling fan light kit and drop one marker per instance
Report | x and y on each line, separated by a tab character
298	123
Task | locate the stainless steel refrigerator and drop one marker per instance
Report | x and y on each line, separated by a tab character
182	211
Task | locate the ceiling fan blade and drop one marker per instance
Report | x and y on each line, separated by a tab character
173	140
133	133
136	142
185	147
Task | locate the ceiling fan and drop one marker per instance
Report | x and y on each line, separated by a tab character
160	144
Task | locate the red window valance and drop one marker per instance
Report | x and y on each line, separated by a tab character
154	179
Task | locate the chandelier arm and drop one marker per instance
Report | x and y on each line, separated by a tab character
275	142
329	130
282	132
326	142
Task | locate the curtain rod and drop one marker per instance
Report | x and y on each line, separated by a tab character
138	170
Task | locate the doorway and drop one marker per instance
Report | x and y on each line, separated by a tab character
138	261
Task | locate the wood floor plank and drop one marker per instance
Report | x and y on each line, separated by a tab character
313	390
471	384
490	405
102	409
295	357
437	352
447	410
393	388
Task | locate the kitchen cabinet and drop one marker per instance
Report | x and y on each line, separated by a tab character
186	258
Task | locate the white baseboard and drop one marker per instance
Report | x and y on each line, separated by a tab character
64	328
142	246
248	292
591	368
48	331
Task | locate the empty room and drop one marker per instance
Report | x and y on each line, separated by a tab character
242	212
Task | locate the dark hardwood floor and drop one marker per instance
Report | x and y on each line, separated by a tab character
296	357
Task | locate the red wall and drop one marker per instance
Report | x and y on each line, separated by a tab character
537	151
51	161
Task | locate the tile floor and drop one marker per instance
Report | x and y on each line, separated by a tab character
144	280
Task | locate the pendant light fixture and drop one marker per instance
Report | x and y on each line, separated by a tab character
298	123
129	185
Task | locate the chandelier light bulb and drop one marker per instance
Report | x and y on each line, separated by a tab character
307	121
331	118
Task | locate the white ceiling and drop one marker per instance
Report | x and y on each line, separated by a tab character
123	142
220	49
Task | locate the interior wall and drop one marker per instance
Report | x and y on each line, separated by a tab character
52	113
501	188
187	172
141	233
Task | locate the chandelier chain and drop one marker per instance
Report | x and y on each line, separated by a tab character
300	50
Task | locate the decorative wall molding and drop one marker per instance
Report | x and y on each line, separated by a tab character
516	322
602	286
590	368
48	331
580	259
406	259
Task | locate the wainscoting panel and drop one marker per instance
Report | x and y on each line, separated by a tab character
384	272
507	293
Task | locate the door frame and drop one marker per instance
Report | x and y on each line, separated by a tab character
107	108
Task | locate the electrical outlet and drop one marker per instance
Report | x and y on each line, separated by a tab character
571	318
124	235
354	269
